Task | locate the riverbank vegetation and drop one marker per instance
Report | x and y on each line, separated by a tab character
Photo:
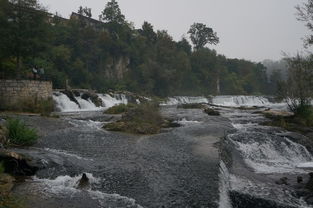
42	107
139	119
119	109
19	134
110	53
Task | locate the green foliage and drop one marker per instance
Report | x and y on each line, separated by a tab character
112	54
20	134
297	91
112	13
118	109
201	35
141	119
25	34
43	107
304	115
11	202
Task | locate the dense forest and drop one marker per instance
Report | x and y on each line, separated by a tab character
109	53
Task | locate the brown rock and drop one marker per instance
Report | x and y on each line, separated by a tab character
83	182
6	184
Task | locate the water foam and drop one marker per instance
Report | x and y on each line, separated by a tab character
270	154
237	101
184	121
184	100
65	104
62	152
224	187
65	186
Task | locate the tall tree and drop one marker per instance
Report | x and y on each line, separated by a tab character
85	11
298	89
112	13
305	14
27	24
148	32
201	35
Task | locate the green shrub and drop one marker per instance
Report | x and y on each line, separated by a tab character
304	115
118	109
9	201
20	134
140	119
43	107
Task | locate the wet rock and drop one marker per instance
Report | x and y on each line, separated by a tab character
243	200
83	182
16	164
6	184
309	199
309	184
282	181
299	179
211	112
191	106
170	124
269	112
93	97
70	95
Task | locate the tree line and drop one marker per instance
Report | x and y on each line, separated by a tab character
110	53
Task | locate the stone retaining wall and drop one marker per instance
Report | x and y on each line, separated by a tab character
15	92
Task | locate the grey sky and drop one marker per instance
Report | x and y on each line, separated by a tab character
250	29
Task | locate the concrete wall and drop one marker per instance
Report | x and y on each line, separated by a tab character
15	92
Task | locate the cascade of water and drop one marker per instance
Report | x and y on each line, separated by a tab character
269	153
185	100
65	104
236	101
224	187
110	101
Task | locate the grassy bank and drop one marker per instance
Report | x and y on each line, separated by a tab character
19	134
42	107
301	121
137	119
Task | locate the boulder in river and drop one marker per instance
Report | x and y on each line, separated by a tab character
83	182
282	181
16	164
299	179
309	184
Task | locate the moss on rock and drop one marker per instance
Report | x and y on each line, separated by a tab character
140	119
211	112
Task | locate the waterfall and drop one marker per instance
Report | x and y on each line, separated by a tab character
185	100
65	104
224	187
237	101
267	153
110	101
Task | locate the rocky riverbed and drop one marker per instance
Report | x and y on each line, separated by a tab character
177	168
226	161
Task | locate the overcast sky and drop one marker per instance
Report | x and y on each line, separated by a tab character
250	29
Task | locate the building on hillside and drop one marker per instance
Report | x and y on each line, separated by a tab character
96	24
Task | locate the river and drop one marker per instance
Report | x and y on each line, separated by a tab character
210	161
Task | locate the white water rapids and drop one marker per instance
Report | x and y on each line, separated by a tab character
65	104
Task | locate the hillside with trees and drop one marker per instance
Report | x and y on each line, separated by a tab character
109	53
